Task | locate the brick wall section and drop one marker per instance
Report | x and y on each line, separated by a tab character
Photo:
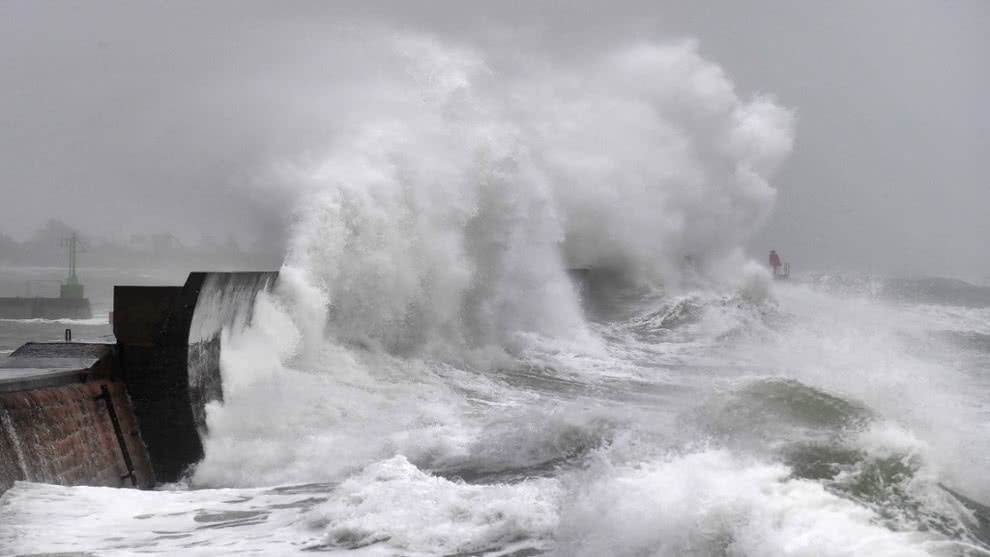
64	435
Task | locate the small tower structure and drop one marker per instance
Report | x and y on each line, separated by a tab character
72	288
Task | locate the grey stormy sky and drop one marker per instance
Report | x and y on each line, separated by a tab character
119	117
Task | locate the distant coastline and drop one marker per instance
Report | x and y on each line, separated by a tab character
155	250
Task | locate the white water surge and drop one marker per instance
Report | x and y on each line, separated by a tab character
427	380
434	236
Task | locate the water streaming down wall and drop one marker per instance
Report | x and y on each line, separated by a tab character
169	343
130	413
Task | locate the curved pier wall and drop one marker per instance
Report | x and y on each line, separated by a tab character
55	425
225	299
169	348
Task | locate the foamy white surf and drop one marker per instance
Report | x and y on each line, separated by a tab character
709	502
389	507
715	503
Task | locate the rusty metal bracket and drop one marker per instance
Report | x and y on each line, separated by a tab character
119	433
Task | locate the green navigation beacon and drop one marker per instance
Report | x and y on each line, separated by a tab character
72	288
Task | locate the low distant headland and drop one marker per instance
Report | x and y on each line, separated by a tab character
148	250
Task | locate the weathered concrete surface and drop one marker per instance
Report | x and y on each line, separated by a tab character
41	364
45	308
154	367
142	312
55	426
169	348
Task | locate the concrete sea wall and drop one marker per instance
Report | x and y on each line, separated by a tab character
169	348
56	425
130	413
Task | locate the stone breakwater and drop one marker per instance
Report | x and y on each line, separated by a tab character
55	422
128	414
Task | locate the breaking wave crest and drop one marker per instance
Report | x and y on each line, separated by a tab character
447	214
435	229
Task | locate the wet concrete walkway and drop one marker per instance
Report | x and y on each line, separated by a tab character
47	364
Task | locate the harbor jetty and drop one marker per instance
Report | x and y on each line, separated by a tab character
70	304
129	413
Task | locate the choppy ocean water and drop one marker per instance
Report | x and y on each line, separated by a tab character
807	422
